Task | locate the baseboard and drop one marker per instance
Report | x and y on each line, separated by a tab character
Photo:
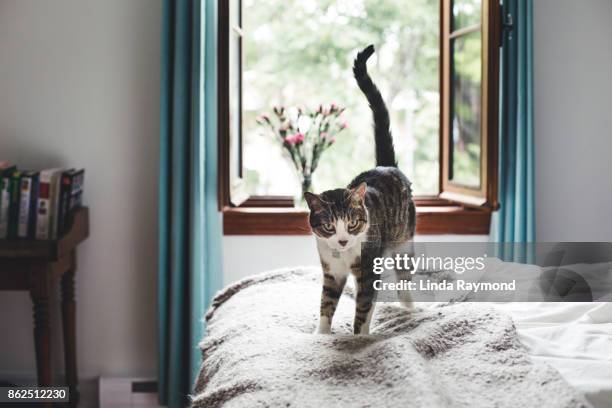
128	393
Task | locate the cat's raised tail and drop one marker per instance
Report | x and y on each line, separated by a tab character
385	152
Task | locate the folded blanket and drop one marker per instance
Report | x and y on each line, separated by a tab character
260	352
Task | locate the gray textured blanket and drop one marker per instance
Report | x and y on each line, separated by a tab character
260	352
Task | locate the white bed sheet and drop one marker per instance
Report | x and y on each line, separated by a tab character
574	338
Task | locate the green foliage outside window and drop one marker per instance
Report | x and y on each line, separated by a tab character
299	53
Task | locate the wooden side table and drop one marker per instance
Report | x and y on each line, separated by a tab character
36	266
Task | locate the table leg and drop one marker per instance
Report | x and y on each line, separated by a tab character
39	292
69	326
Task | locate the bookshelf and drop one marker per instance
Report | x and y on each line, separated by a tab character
36	266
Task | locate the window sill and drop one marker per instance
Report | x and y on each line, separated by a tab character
431	220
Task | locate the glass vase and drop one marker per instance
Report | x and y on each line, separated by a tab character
306	182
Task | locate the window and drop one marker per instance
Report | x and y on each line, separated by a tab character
470	68
437	67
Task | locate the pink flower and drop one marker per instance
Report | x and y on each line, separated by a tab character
294	139
323	135
344	125
332	140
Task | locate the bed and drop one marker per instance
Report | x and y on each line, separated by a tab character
574	338
260	352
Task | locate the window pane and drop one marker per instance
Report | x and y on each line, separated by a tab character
235	17
466	109
235	116
466	13
306	60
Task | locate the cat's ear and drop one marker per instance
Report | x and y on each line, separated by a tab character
358	193
315	203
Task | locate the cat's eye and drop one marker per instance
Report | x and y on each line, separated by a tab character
354	224
328	227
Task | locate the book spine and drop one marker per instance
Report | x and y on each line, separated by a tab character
33	203
5	201
42	206
14	205
76	199
54	196
65	193
25	195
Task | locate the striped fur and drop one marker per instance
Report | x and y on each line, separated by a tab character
370	217
385	153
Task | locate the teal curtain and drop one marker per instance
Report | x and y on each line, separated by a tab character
189	222
515	221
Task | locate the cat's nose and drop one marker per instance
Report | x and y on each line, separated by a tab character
342	242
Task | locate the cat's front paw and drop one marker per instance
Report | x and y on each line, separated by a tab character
324	326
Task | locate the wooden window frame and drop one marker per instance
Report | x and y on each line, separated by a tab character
450	212
485	196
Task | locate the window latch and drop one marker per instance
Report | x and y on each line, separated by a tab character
508	25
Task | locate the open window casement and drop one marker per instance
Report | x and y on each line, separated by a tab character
230	94
469	77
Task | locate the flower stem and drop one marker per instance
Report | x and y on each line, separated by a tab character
306	183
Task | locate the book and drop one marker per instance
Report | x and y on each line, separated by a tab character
38	205
64	201
54	198
27	204
6	171
47	203
71	197
15	180
76	195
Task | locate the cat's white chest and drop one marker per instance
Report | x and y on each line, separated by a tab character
339	261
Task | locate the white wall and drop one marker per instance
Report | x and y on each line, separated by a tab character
573	120
79	86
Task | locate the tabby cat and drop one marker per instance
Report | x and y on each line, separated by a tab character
374	212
